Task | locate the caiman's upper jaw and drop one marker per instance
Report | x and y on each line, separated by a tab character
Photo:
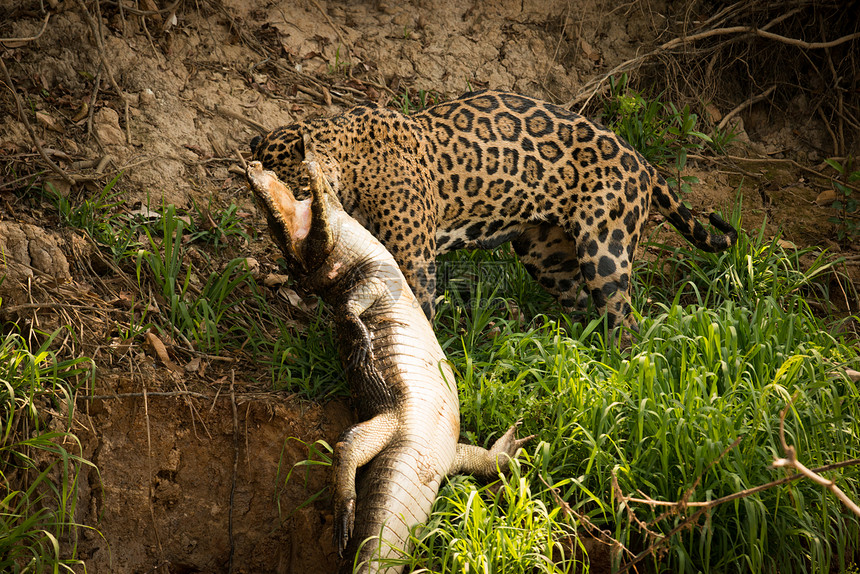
292	217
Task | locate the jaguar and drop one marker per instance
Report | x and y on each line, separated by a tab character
489	167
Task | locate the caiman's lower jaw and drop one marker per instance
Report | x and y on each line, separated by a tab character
293	216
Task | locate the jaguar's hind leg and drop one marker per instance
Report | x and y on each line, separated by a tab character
605	265
549	254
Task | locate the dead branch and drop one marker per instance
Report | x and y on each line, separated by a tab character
14	308
728	498
350	52
591	87
237	116
790	460
743	105
54	167
148	394
589	526
138	12
829	129
150	490
772	160
235	467
762	32
16	42
302	79
93	99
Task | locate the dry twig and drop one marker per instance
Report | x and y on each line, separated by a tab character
235	467
150	481
790	460
591	87
743	105
54	167
350	52
100	47
147	394
589	526
16	42
224	111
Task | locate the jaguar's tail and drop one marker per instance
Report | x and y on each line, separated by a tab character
681	218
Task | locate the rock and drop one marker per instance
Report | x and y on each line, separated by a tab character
106	125
146	98
58	185
26	248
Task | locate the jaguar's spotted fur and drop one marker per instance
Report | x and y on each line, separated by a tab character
487	168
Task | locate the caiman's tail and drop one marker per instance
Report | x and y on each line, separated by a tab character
680	217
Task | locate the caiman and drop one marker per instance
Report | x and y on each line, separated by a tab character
400	380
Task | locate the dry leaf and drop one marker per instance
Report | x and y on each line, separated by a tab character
82	112
292	297
826	197
193	365
253	266
161	351
589	52
61	186
274	279
48	121
713	113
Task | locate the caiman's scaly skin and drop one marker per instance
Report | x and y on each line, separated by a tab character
399	377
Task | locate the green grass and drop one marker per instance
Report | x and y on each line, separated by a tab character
846	205
192	292
506	528
419	100
40	464
306	360
726	341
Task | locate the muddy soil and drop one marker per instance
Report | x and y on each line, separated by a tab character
191	476
191	485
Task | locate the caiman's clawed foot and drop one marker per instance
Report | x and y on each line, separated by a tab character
486	464
360	354
352	334
506	447
344	521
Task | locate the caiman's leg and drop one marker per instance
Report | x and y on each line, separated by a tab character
361	442
353	338
484	463
356	447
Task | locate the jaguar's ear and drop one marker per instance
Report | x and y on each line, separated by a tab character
306	146
255	143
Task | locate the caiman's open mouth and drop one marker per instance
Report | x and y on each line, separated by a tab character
294	216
